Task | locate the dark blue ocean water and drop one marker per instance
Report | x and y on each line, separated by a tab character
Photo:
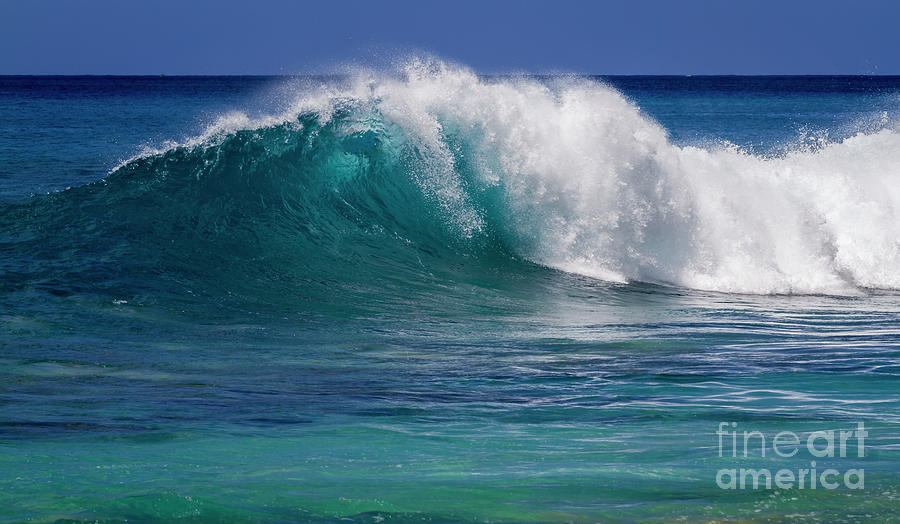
437	297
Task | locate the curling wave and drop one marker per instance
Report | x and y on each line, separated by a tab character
434	172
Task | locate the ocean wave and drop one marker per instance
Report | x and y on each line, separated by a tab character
433	171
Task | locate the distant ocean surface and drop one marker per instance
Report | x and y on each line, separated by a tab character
430	296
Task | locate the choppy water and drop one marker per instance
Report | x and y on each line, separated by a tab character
429	296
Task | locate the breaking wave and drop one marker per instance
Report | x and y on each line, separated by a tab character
435	174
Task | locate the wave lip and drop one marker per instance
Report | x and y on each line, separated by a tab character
437	168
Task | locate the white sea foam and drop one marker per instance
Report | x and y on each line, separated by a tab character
593	186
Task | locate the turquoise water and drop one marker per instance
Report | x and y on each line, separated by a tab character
436	297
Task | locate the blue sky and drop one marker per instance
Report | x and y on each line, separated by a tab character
602	37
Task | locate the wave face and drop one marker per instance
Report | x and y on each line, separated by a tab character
436	173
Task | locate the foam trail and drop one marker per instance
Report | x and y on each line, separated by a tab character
570	174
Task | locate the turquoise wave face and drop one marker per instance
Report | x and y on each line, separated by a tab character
291	214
